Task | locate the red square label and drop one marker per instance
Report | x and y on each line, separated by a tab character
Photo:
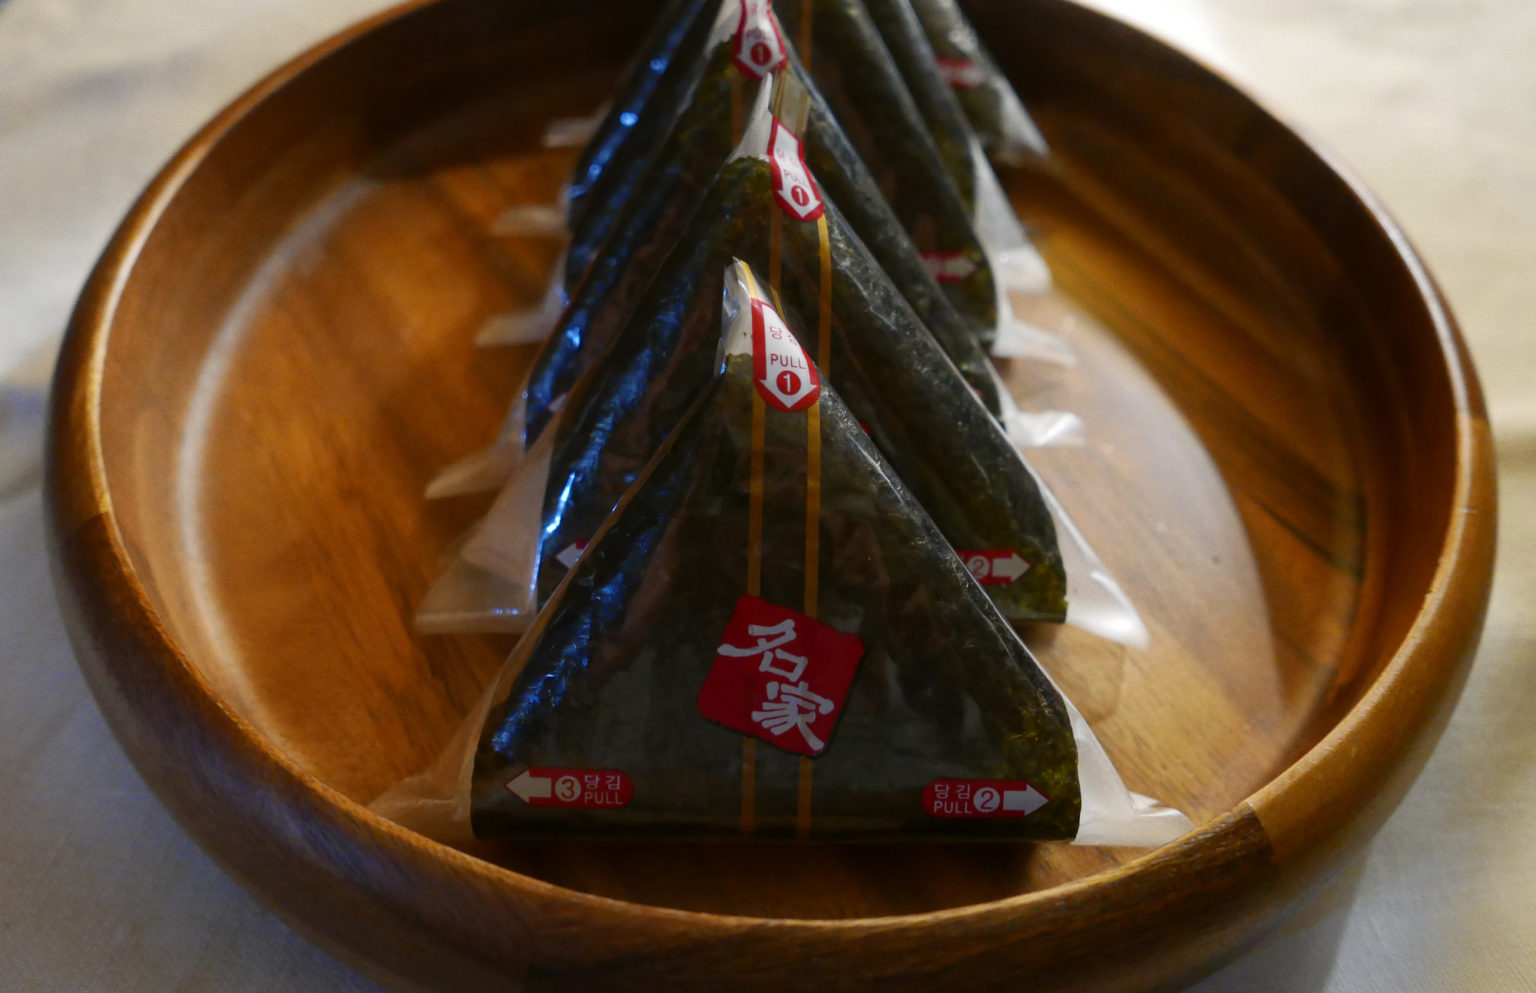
780	676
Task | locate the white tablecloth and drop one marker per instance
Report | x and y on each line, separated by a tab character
1433	102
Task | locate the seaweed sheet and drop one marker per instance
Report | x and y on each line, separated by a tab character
943	441
1007	132
659	75
640	230
749	32
914	56
699	143
770	637
845	54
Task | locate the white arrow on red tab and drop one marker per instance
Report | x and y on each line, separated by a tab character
949	267
793	187
591	789
1025	801
759	48
783	372
994	566
1010	568
982	798
527	787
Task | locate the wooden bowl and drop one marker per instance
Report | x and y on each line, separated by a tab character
1290	472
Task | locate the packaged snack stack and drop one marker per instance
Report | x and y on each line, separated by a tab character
648	223
766	206
768	636
935	198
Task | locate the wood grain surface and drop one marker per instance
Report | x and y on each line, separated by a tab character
1289	471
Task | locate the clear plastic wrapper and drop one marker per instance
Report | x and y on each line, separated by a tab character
527	327
1019	267
533	220
576	132
957	457
487	583
769	637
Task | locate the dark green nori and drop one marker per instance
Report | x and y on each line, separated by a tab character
985	104
665	199
867	93
636	125
843	174
662	200
610	675
945	444
914	55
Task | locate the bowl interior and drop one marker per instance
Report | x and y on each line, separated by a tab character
291	359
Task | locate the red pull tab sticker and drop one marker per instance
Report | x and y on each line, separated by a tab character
592	789
960	74
780	367
780	676
759	48
949	267
793	186
994	566
982	798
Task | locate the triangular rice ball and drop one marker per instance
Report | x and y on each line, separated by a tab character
766	208
665	198
770	636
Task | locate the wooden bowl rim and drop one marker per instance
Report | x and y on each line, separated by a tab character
77	478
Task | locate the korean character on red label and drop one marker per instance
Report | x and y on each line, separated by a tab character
780	676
